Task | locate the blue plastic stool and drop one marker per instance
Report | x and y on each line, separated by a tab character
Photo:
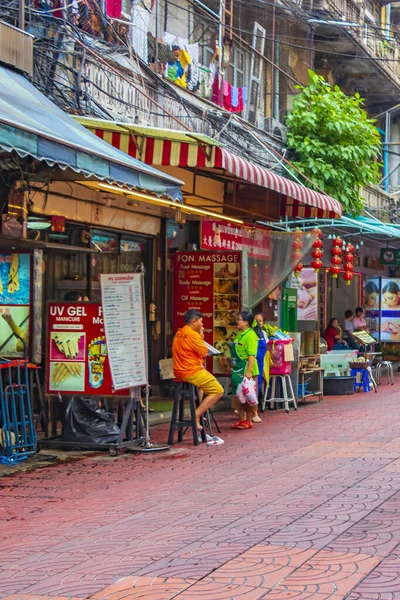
362	380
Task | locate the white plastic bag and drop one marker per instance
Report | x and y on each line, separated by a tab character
249	391
240	395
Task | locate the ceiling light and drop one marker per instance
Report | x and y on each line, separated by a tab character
38	225
159	201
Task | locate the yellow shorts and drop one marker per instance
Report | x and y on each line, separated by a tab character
206	382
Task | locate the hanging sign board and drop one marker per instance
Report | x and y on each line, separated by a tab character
390	256
77	361
124	324
210	282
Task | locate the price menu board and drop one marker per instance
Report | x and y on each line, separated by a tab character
123	312
210	282
77	360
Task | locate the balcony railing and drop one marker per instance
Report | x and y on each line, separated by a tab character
16	47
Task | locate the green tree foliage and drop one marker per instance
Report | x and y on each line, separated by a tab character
333	142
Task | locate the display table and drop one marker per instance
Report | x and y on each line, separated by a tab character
319	371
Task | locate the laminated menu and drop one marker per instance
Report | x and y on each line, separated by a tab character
124	324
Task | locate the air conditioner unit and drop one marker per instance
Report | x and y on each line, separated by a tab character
275	128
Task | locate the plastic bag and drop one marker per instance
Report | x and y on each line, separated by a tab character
247	392
85	421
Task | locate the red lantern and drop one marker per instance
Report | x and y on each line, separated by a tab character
348	257
255	276
297	244
335	270
337	241
348	266
317	253
336	250
317	265
350	248
336	260
296	255
348	276
298	269
317	231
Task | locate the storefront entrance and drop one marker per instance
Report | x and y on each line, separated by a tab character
84	254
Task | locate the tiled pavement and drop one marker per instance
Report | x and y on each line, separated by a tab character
304	506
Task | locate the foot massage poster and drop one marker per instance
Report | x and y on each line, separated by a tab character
210	282
76	359
15	294
306	284
372	304
389	298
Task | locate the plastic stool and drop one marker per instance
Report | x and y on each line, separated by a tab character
362	380
328	372
287	399
389	367
185	392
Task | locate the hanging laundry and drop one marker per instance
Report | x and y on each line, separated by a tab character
193	76
206	78
140	25
177	68
114	8
233	98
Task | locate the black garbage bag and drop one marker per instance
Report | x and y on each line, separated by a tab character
85	421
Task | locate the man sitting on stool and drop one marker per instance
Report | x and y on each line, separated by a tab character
189	352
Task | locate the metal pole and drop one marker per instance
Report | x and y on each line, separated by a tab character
21	14
156	32
220	51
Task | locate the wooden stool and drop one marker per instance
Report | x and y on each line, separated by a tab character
287	399
185	392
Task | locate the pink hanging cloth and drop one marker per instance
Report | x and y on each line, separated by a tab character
114	8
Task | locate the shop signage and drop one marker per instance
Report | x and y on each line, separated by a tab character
209	282
15	294
306	284
77	361
124	324
57	224
390	257
219	235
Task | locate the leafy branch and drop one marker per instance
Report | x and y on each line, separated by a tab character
333	142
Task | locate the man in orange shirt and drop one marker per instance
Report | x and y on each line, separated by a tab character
189	352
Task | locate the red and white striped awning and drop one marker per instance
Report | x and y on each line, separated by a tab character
162	147
246	170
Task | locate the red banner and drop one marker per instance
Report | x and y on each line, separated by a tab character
77	360
209	282
219	235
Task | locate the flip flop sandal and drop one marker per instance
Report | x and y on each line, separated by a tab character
257	419
247	425
239	425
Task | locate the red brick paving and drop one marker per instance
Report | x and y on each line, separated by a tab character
304	506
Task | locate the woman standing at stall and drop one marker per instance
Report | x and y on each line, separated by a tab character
244	364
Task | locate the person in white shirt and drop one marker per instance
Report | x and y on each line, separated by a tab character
349	329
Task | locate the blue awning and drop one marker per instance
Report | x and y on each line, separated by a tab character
32	125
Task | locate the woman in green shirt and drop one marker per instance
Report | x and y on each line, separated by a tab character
244	364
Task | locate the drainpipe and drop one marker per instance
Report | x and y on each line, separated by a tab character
385	153
276	81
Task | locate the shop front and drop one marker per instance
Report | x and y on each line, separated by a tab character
77	208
